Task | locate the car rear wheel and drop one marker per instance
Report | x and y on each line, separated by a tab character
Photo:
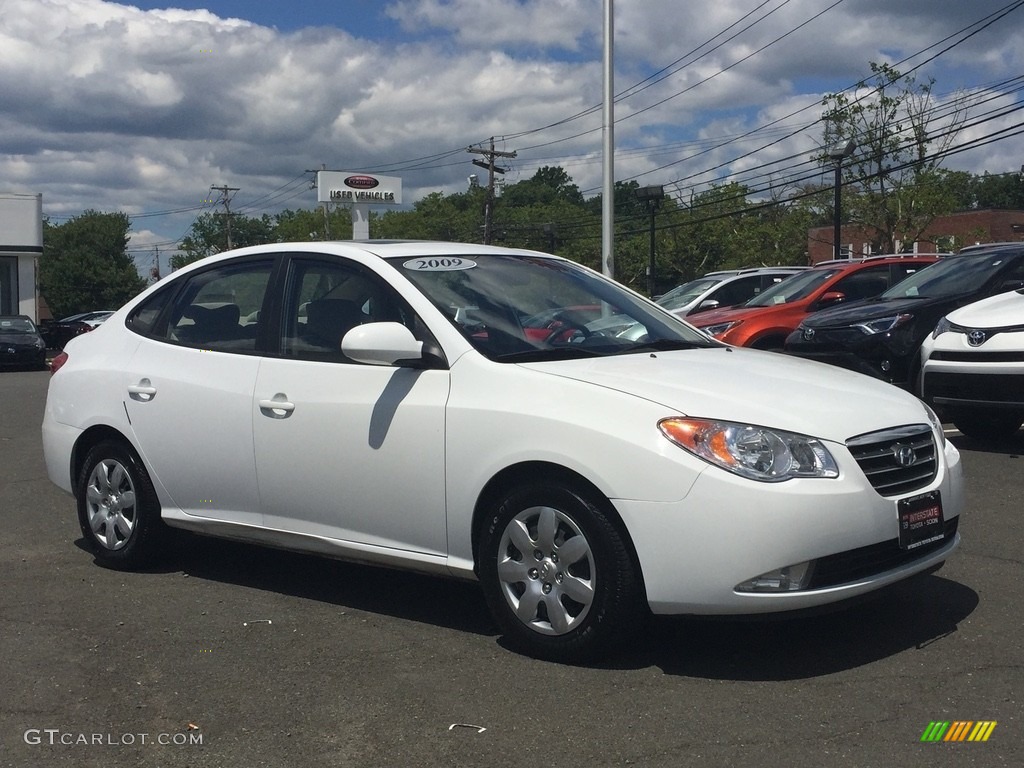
118	510
557	573
988	426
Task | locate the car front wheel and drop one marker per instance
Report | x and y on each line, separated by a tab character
118	509
558	575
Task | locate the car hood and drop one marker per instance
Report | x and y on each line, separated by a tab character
1001	311
841	317
727	314
750	386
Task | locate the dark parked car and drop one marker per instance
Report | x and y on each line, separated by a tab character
882	336
20	342
56	333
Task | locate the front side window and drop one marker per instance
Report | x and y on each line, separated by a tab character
864	283
324	300
516	308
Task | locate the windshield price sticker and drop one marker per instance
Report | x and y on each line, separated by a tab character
438	264
920	520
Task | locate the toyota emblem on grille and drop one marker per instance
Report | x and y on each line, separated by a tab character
976	337
905	455
808	334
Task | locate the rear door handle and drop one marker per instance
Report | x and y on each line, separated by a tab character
144	391
277	407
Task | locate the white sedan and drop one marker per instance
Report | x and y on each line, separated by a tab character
382	402
972	367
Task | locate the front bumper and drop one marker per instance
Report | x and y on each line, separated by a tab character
12	355
695	552
874	356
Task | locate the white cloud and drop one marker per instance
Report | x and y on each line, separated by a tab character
111	107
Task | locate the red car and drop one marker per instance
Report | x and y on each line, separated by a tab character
765	321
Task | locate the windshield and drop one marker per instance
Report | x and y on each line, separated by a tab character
951	276
518	308
799	286
16	325
684	294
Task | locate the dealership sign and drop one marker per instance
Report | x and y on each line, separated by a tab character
352	187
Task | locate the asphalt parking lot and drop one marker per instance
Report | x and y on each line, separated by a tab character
231	655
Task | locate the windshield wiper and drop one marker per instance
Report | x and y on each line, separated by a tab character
554	353
667	345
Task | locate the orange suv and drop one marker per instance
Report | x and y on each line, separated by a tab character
765	321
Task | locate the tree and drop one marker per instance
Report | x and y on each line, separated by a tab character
208	235
894	181
85	265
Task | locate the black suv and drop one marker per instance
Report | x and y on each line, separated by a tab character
881	336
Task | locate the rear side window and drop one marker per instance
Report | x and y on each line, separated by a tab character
219	308
143	318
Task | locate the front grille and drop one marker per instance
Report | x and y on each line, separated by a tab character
988	387
879	455
978	357
855	564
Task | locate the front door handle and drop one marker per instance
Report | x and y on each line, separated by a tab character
144	391
277	407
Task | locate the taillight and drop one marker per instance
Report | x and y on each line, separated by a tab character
58	360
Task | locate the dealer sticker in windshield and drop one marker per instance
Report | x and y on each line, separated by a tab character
920	520
438	264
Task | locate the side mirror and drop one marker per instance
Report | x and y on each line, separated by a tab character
831	297
382	344
707	304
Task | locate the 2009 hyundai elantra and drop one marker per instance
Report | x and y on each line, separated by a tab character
382	402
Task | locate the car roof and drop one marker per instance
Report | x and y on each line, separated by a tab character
750	271
888	257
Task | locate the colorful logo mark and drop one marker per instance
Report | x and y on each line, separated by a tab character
959	730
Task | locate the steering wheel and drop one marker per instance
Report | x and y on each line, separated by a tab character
565	330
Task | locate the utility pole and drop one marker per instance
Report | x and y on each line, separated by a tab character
492	169
154	272
225	200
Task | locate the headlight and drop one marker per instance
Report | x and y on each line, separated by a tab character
884	324
719	328
936	423
942	327
753	452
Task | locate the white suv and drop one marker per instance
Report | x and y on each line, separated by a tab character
723	289
972	367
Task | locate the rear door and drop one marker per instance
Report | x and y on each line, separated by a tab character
189	388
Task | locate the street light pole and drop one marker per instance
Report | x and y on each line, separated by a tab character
652	197
837	156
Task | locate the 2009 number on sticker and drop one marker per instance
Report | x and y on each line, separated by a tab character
439	264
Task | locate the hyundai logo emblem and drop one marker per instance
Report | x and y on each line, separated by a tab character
976	337
808	334
905	455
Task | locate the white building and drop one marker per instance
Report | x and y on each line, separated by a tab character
21	243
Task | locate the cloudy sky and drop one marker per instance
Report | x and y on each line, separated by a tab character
142	107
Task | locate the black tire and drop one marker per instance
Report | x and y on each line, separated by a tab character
988	426
575	594
770	344
118	509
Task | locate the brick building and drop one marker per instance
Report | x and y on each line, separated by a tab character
946	234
